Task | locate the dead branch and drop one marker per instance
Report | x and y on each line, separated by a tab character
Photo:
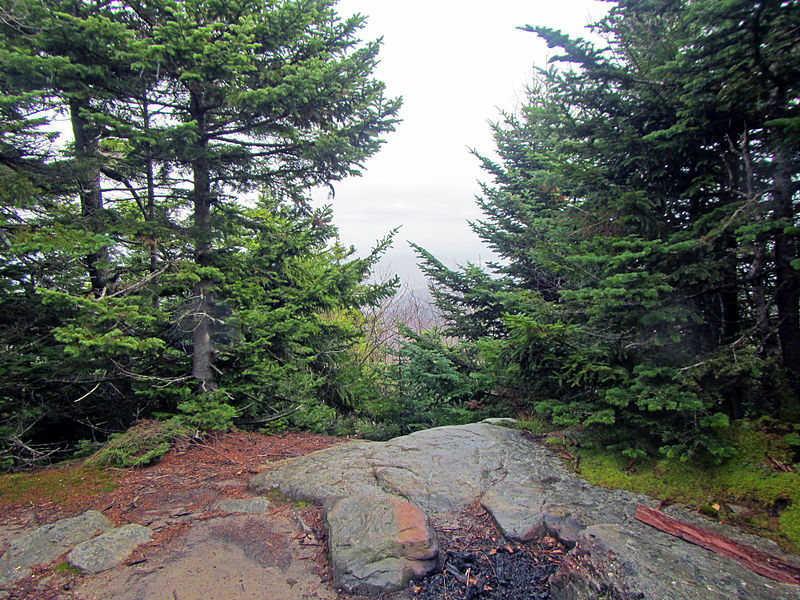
760	562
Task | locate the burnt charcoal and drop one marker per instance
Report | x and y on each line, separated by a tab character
503	573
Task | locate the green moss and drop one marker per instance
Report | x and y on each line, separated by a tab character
555	443
277	496
534	424
709	511
64	568
750	479
55	485
790	523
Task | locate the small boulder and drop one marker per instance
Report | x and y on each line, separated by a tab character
379	542
522	513
517	510
110	549
44	544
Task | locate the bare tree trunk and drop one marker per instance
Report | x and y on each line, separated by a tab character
756	275
88	173
729	295
202	338
758	561
150	215
787	294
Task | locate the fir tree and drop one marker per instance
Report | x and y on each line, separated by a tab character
122	244
644	208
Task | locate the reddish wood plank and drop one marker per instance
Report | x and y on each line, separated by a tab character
757	561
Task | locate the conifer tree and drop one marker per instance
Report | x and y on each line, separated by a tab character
115	244
279	99
645	209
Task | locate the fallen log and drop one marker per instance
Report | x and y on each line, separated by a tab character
756	560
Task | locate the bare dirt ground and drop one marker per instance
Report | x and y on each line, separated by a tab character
198	552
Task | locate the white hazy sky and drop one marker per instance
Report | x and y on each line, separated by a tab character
456	64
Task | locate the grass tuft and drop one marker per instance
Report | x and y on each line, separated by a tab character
141	445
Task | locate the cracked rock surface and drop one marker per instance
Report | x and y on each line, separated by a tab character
110	549
365	486
637	562
379	542
44	544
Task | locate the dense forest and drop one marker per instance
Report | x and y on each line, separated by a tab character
166	261
645	209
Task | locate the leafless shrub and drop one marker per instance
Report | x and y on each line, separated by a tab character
410	306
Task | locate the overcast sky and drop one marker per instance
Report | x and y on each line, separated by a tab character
456	64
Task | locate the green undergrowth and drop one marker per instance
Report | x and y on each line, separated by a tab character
532	423
55	485
141	445
757	489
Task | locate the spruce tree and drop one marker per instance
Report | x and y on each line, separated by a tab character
277	99
644	208
123	248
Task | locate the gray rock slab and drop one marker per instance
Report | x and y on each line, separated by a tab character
257	505
44	544
636	562
440	469
338	471
559	505
446	469
379	542
529	493
110	549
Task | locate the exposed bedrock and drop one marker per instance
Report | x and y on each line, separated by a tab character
529	493
379	542
44	544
